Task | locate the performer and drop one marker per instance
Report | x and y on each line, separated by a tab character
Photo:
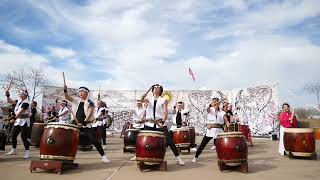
32	118
287	120
180	117
215	120
99	119
64	115
138	116
21	123
83	107
156	116
51	114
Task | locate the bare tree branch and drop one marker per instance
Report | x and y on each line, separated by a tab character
314	88
30	79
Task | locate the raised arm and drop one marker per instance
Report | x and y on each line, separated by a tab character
9	100
143	97
66	95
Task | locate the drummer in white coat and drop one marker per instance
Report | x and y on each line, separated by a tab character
63	115
180	117
215	120
138	115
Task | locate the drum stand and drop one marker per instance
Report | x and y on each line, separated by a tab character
51	165
129	149
180	148
162	166
312	156
85	147
242	166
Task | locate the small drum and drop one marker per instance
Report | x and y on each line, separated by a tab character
3	139
299	141
36	133
181	137
150	146
317	133
231	148
130	139
59	142
192	136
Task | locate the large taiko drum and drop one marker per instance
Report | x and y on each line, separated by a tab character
59	142
192	136
3	139
181	137
316	133
150	146
36	133
231	147
130	139
299	141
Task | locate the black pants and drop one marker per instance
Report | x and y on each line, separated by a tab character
203	144
102	131
103	134
92	138
30	129
168	138
24	134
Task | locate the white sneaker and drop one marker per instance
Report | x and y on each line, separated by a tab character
105	159
194	160
213	147
29	140
180	161
133	158
12	152
103	147
26	155
193	149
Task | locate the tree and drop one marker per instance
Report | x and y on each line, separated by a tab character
314	88
31	79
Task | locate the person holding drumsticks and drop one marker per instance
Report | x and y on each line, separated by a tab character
287	120
21	122
83	108
156	116
215	120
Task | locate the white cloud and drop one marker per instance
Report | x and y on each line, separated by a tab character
61	53
13	57
136	43
266	19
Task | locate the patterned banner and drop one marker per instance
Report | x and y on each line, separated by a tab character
257	105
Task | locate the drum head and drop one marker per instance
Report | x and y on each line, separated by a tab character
299	130
148	132
133	130
64	126
230	134
181	129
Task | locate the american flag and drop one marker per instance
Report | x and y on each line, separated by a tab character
192	74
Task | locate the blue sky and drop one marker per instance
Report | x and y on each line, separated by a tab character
121	44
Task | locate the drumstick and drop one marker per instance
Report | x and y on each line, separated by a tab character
9	85
64	79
